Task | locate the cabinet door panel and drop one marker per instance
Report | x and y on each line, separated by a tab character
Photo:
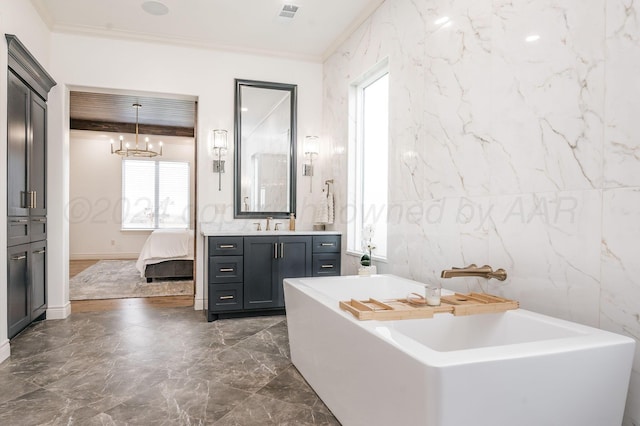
38	279
294	258
17	140
260	274
19	314
294	261
38	164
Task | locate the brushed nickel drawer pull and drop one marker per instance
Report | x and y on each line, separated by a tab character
40	220
225	246
34	199
41	251
282	250
226	269
24	256
20	221
226	297
275	250
327	244
327	266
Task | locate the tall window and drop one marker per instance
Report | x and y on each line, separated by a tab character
155	194
369	153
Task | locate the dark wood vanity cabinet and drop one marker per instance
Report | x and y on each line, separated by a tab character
245	273
27	87
269	260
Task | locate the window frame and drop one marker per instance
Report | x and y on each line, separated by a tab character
356	187
156	195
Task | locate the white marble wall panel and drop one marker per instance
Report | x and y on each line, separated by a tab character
622	133
548	92
549	244
457	98
620	305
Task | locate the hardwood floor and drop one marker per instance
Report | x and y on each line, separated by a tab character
77	266
98	305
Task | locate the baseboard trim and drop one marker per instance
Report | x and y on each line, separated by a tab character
5	350
104	256
59	312
198	304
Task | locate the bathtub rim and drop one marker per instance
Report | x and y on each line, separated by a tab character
586	337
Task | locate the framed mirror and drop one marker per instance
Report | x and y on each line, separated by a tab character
265	149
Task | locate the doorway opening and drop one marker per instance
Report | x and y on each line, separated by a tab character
132	195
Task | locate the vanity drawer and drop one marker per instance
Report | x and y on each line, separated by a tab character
326	265
225	246
326	243
38	229
225	297
17	230
225	269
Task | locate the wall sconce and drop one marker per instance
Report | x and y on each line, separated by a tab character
310	153
219	144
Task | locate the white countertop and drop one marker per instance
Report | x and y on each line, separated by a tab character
212	233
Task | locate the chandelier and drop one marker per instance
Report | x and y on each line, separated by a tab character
137	151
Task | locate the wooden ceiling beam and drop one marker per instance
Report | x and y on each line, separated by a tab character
143	129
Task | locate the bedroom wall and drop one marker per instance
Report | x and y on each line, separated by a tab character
95	191
208	76
16	17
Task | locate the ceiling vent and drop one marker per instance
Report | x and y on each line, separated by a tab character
288	11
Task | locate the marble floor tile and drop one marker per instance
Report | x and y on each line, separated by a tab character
260	410
290	386
160	366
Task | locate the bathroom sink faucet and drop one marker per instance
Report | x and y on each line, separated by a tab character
473	270
268	227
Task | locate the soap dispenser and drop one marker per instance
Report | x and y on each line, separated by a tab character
292	222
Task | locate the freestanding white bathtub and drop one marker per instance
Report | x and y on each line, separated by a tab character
514	368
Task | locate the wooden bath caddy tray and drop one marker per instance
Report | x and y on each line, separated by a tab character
456	304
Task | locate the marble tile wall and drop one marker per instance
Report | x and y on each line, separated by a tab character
513	143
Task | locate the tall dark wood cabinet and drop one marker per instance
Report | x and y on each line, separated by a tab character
28	85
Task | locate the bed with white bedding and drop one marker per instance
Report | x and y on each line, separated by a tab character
167	253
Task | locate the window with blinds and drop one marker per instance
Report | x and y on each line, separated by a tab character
155	194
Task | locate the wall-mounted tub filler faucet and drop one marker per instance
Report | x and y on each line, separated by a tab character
473	270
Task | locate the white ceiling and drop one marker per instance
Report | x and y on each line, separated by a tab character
240	25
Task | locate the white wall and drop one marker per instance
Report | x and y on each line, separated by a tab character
19	18
95	194
79	61
518	154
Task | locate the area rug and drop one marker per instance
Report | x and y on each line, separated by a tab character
115	279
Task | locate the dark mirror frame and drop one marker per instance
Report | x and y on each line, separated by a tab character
237	178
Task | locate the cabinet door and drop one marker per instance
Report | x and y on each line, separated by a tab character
294	261
260	273
38	278
17	139
19	314
38	157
